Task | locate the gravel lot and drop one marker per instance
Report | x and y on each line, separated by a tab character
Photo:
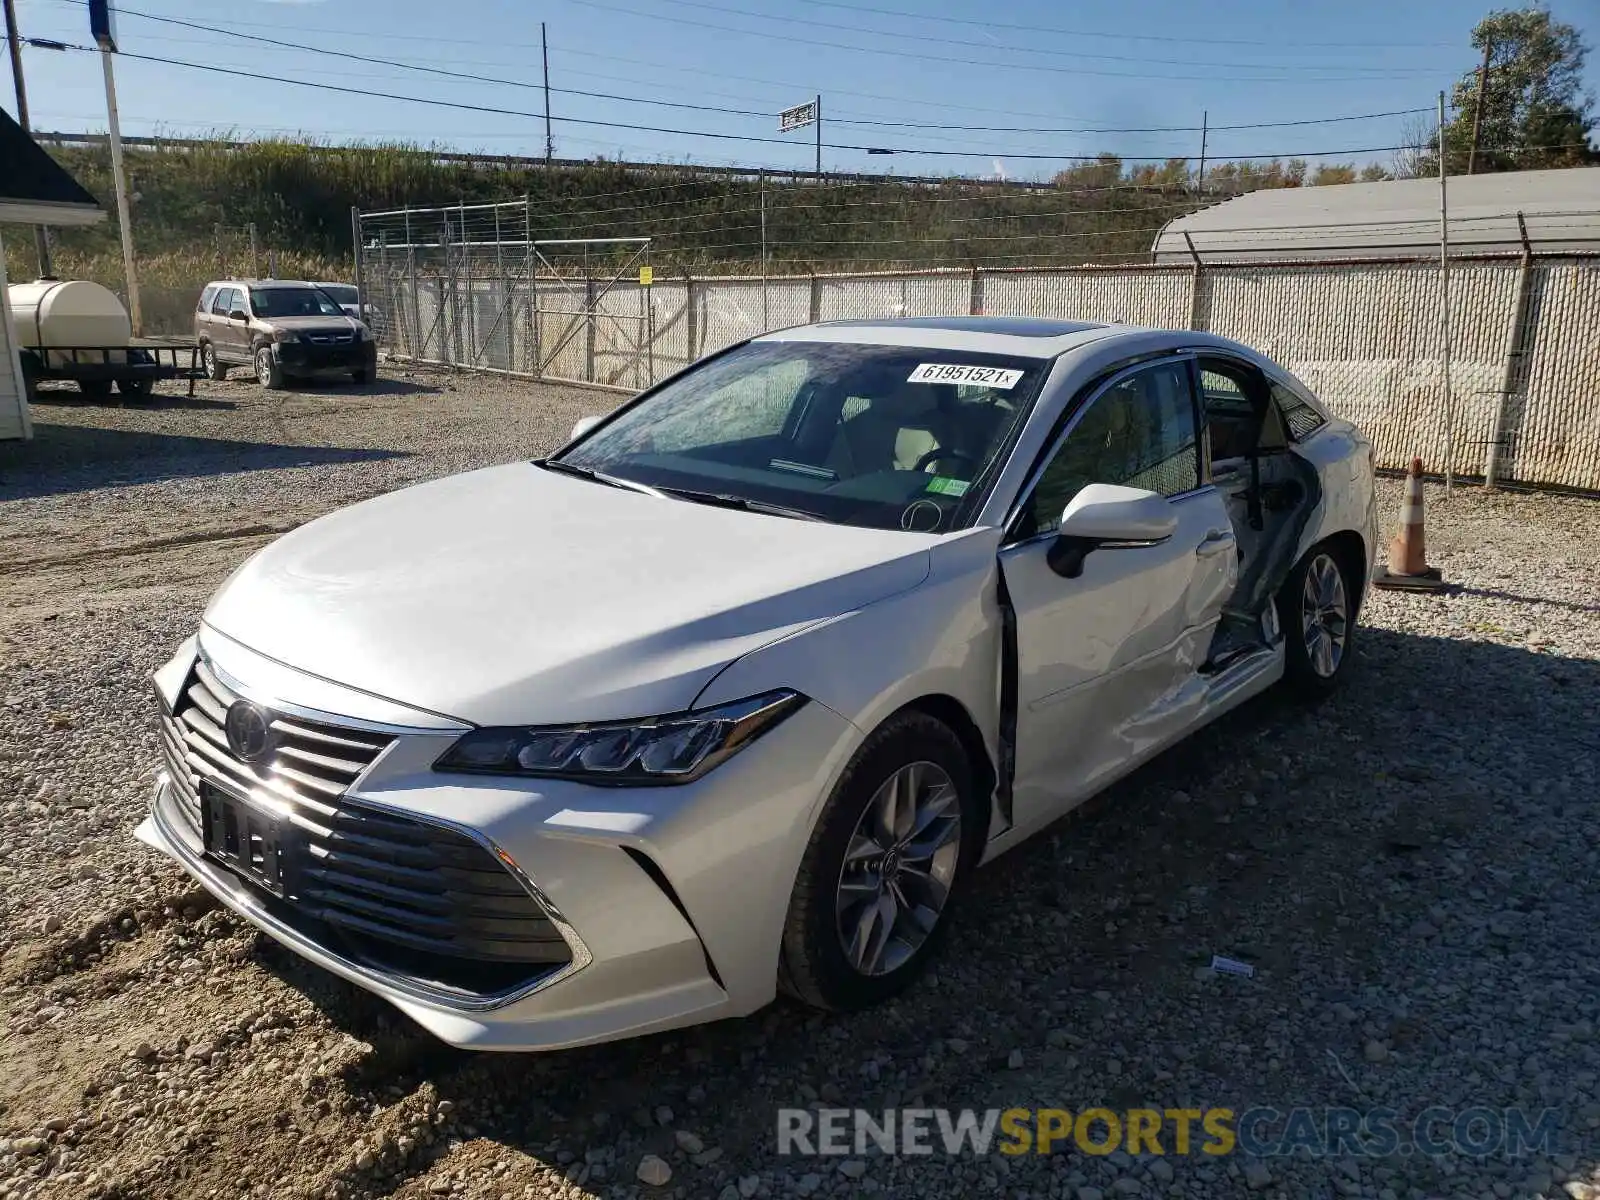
1411	869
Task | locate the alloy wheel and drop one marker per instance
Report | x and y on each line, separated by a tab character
1325	615
899	868
263	366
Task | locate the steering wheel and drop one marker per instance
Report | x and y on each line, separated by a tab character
939	453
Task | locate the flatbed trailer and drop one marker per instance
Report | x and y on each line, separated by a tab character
132	369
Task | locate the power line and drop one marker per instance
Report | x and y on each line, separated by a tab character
1372	72
986	23
969	61
434	70
702	133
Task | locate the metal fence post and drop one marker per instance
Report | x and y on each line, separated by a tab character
254	260
1197	285
416	306
691	320
815	314
355	251
1513	378
588	337
975	297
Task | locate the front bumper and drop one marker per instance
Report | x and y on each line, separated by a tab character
310	358
672	899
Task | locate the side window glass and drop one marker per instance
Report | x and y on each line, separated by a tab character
223	304
1141	433
1300	417
1235	427
206	297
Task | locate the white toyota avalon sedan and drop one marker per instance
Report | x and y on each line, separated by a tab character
733	693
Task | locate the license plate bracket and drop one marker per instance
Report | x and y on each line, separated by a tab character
254	843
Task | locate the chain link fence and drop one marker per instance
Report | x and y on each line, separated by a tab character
468	288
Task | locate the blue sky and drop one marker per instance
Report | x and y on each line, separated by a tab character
1131	65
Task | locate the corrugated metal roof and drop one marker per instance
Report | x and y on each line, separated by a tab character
1394	218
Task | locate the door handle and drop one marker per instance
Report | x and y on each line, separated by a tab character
1217	541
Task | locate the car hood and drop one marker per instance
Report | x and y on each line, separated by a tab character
512	595
321	323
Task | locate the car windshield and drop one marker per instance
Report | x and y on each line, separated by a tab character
292	302
342	293
888	437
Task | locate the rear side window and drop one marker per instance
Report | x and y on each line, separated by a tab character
1300	417
206	297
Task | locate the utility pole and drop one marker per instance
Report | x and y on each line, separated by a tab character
41	239
819	138
1200	179
549	140
129	270
1477	110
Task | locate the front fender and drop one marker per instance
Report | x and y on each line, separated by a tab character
942	638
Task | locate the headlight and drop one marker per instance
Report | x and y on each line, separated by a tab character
286	335
655	752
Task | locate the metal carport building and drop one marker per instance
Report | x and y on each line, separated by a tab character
1399	218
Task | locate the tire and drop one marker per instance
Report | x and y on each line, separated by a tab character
136	389
1317	612
269	374
95	389
816	965
214	367
358	377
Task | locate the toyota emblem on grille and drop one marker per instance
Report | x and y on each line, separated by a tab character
249	730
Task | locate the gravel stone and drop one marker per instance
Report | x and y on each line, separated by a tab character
654	1171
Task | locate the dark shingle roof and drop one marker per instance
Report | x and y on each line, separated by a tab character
30	176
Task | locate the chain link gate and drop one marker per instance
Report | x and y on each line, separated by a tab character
466	286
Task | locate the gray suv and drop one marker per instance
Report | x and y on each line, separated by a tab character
281	329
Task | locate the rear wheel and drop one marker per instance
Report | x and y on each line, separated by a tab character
890	848
1316	608
135	389
268	373
210	363
95	389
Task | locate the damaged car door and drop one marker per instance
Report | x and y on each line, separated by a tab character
1115	589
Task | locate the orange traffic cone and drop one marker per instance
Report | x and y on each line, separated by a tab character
1408	557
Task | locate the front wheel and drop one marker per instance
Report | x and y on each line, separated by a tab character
894	840
269	374
358	377
1317	610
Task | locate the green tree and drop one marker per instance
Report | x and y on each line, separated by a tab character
1536	113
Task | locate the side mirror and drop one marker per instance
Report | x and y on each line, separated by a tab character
1106	516
583	426
238	314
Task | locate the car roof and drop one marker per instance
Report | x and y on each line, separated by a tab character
262	283
1021	337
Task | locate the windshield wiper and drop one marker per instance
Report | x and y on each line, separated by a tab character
722	500
593	476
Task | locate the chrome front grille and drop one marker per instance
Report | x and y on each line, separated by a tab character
309	770
331	339
418	899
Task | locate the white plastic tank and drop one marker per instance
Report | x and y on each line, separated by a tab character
67	312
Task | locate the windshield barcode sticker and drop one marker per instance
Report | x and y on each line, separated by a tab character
994	377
